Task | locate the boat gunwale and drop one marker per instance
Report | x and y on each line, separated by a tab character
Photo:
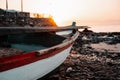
64	43
14	30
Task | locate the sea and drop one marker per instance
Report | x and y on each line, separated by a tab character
105	28
98	28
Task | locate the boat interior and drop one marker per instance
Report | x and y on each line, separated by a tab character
12	44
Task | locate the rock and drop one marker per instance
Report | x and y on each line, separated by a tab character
55	77
110	64
69	69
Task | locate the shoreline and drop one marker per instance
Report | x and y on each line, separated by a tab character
85	63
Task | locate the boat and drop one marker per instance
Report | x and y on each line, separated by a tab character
39	51
30	52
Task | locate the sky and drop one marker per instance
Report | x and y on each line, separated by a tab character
64	12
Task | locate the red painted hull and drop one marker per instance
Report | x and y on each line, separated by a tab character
24	59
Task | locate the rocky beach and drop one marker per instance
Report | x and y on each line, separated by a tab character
94	56
33	43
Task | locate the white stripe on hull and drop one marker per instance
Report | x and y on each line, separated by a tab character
37	69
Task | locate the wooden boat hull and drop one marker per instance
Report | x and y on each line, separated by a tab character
34	65
37	69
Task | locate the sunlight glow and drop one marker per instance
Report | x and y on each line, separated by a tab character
66	11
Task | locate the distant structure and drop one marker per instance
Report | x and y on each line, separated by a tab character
20	18
73	23
87	31
16	18
12	17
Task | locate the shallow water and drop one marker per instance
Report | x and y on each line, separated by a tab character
103	46
104	28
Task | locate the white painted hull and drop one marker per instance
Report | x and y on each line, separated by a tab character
37	69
